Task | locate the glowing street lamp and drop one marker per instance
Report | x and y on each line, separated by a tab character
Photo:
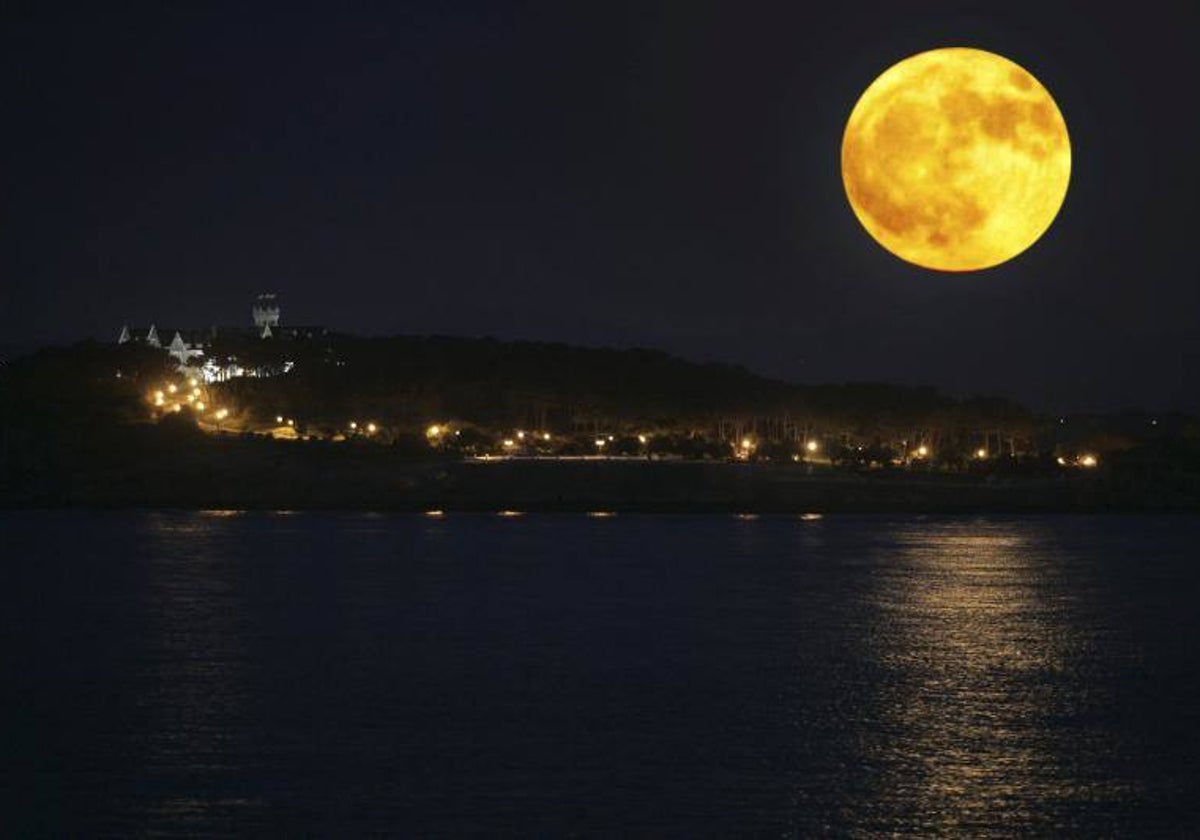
353	425
199	406
642	439
193	382
812	446
1088	461
433	431
291	423
747	443
600	443
922	451
520	435
171	388
508	443
371	428
279	419
981	453
546	436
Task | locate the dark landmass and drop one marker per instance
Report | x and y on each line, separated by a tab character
72	433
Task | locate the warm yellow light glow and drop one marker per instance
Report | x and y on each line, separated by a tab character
600	514
642	439
600	443
812	446
199	406
520	435
980	453
508	443
171	388
433	431
192	382
922	451
1087	461
278	418
546	436
372	428
291	422
195	392
1062	462
177	407
435	513
222	414
158	396
509	514
747	443
353	424
956	159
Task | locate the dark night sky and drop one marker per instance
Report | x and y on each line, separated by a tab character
662	175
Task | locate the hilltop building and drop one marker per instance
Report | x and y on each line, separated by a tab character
218	354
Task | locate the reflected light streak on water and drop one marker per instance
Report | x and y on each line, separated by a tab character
978	635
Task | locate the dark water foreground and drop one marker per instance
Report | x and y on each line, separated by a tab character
191	673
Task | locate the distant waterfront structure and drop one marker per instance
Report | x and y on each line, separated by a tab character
213	353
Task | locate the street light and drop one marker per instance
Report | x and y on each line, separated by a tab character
812	446
1087	461
922	451
371	428
981	453
642	439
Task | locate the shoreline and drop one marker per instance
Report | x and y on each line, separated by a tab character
580	487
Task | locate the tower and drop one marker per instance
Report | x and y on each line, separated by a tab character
265	311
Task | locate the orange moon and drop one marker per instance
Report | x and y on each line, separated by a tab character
956	159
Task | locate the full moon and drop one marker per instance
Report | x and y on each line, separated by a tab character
956	159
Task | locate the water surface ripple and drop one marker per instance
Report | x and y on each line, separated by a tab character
253	673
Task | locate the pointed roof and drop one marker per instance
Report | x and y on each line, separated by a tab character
266	331
125	336
152	337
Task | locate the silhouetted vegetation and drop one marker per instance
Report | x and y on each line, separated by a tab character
75	426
